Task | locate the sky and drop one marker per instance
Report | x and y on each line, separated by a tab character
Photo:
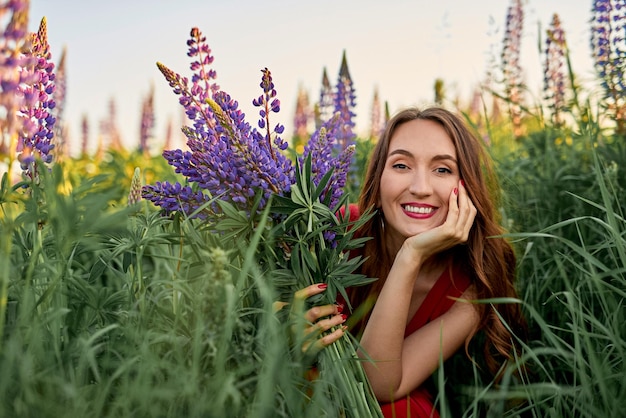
396	47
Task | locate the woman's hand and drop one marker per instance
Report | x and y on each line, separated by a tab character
455	230
310	325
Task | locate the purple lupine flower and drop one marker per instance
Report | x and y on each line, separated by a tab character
176	198
227	158
36	113
554	69
343	165
203	75
268	103
193	97
608	45
260	159
511	67
344	100
324	157
147	122
16	71
320	146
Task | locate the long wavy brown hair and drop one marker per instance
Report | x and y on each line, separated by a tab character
488	260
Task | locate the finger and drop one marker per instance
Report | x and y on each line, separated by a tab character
467	209
321	343
301	295
311	290
331	337
463	203
453	209
318	312
325	324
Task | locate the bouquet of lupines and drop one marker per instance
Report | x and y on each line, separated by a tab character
238	179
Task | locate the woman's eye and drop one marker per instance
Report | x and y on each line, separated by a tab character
443	170
400	166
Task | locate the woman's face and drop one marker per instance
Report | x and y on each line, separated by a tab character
420	173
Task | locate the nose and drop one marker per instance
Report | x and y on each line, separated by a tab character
420	184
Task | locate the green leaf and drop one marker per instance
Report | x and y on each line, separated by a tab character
308	257
323	185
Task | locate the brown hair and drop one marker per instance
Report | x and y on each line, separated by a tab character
489	262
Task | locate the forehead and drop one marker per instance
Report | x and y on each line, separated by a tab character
422	137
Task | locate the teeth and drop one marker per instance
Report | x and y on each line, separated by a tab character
421	210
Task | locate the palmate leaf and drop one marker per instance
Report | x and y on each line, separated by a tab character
236	224
312	258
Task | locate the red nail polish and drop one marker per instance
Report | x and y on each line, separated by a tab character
340	308
322	285
462	183
344	316
456	191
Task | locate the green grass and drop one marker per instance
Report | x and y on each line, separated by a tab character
111	310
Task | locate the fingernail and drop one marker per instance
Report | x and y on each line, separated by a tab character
456	191
322	285
344	316
339	308
462	183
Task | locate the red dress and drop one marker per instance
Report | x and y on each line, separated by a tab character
440	298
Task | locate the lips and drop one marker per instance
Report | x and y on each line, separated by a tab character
419	210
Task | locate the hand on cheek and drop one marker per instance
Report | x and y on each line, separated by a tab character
464	211
455	230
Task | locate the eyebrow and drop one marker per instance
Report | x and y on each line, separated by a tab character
438	157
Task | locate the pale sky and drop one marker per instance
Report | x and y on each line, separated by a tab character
397	46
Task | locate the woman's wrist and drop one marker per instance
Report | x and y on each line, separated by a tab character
408	260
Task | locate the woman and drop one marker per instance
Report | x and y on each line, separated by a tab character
434	251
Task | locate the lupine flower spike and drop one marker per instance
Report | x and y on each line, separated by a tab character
301	119
14	74
511	67
345	101
36	112
322	148
554	69
147	122
134	194
325	108
376	126
60	89
608	45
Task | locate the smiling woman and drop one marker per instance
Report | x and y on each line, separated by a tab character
436	254
420	174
